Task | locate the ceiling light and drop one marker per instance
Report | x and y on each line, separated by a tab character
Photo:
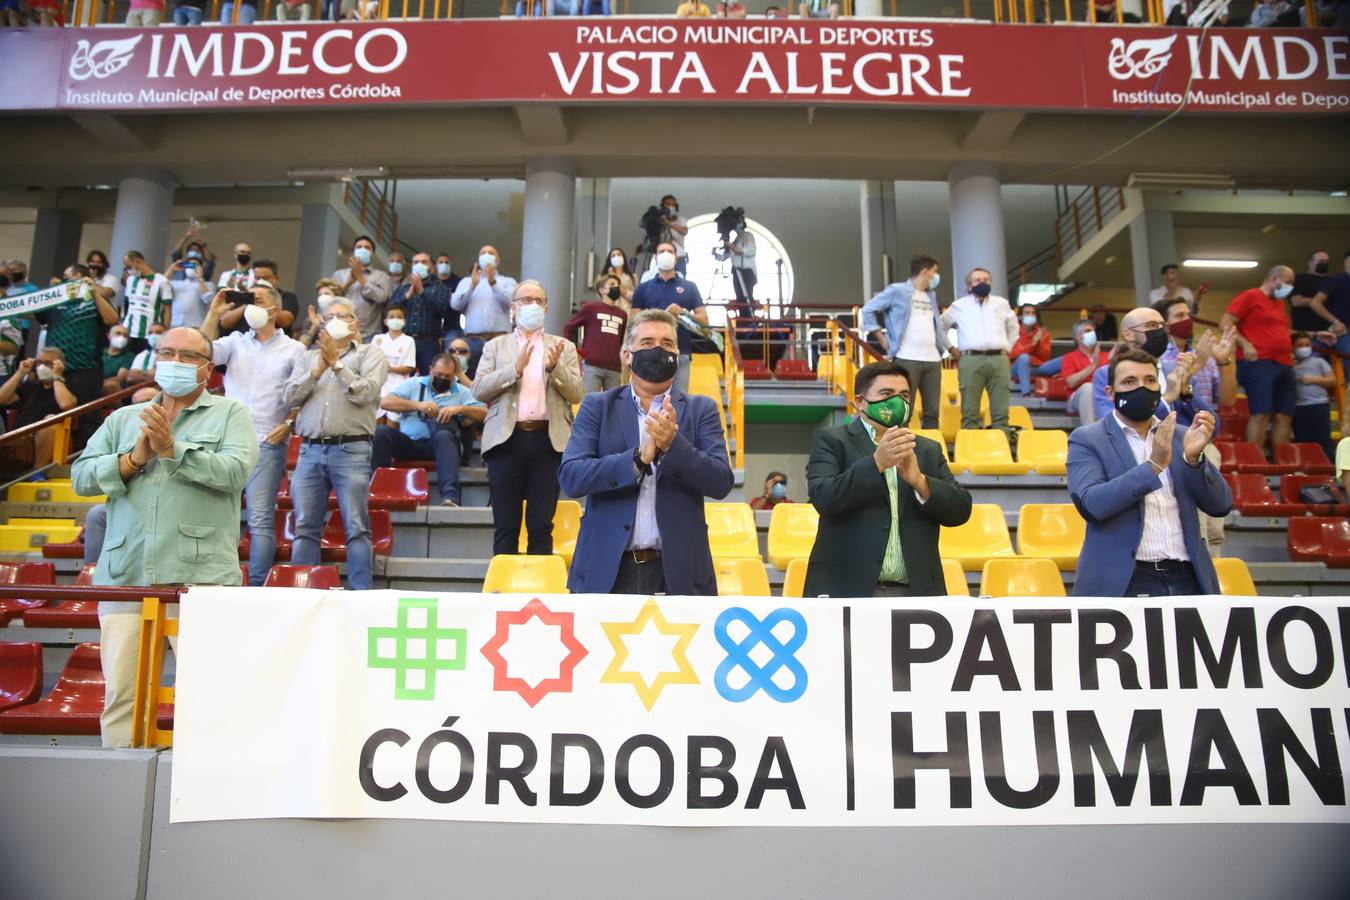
1173	180
1220	263
340	173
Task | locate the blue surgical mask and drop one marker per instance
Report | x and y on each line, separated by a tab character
1283	290
485	260
396	268
421	270
153	340
937	279
530	317
443	270
362	255
193	254
778	491
177	379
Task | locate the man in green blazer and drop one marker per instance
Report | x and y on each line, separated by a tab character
882	492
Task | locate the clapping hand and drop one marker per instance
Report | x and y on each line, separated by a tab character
554	354
907	464
156	429
523	359
1161	455
1223	347
887	454
661	428
328	349
1198	436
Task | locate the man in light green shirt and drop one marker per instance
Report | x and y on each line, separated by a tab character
173	470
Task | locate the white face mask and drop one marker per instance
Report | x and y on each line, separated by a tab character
1090	339
118	341
256	316
337	329
616	261
395	326
1029	321
45	373
487	259
396	268
324	301
665	260
443	270
362	255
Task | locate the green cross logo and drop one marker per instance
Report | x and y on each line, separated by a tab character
416	639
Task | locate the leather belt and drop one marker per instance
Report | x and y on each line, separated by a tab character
485	335
533	425
645	556
985	352
337	439
1161	565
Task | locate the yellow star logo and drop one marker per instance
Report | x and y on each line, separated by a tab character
683	672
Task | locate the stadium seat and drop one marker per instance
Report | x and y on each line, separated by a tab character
333	543
708	360
1021	577
566	528
1319	539
985	452
731	530
1292	485
955	577
1018	417
755	370
24	535
951	386
20	673
1240	407
54	491
1231	428
1306	459
73	706
793	370
949	421
1051	531
319	578
703	380
293	452
1252	497
65	549
1045	452
824	367
69	613
285	526
404	489
519	574
1246	458
794	581
1235	580
792	533
1055	388
981	539
741	577
43	573
935	435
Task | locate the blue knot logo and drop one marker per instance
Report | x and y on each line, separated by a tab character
782	655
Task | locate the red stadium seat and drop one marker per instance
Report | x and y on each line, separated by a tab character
1247	458
315	577
286	501
793	370
1239	408
333	546
755	370
1307	459
1290	485
1319	539
398	488
69	614
20	674
71	550
1232	428
73	706
293	452
428	465
285	522
1252	497
1054	388
23	573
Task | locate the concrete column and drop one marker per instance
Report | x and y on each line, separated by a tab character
320	235
546	247
56	243
880	235
141	219
592	229
1153	244
977	228
862	9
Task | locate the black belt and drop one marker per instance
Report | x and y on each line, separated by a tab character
484	335
1161	565
647	555
338	439
984	352
893	584
533	425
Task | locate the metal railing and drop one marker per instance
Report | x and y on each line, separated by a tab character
734	373
1084	217
63	422
848	352
374	207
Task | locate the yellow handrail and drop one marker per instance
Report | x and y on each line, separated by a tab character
150	692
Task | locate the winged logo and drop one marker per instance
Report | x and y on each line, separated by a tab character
101	59
1139	59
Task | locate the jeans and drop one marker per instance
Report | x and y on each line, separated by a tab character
1081	400
1022	369
443	446
427	348
260	493
247	14
524	469
95	527
1178	582
682	373
187	15
1052	367
1312	424
926	382
595	379
346	469
978	373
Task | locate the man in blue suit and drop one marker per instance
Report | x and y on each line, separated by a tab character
645	456
1138	484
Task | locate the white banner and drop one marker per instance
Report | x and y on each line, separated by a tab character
759	711
40	299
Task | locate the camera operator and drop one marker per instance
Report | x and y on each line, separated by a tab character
676	229
743	277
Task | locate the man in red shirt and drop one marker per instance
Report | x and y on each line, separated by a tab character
1266	370
602	325
1079	366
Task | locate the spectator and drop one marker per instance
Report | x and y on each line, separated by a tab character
267	272
1309	286
398	271
76	328
145	13
818	9
38	387
360	10
775	492
1105	323
337	389
149	299
985	331
675	226
670	291
326	290
469	430
188	12
142	368
484	297
646	457
1172	287
432	411
602	324
288	10
775	12
1140	485
240	277
446	278
1031	350
116	360
732	9
917	342
618	267
1080	364
105	282
18	278
1312	406
459	349
1332	304
555	8
1213	381
11	342
1266	370
259	363
530	380
191	296
248	13
11	14
1144	330
1343	463
743	274
424	302
693	9
1271	13
172	471
399	351
366	287
191	245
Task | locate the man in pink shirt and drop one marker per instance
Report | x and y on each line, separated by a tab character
529	381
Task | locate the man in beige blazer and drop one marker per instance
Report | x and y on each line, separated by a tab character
529	381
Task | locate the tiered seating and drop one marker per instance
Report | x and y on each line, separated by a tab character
793	370
1018	416
23	573
710	360
1246	458
313	577
20	673
955	576
755	370
981	539
934	435
1252	497
393	487
53	491
741	577
1021	577
566	528
985	452
1307	459
1292	485
1052	531
1054	388
69	613
1235	580
792	533
333	544
794	579
1232	427
731	530
509	574
23	535
1045	452
73	706
1319	539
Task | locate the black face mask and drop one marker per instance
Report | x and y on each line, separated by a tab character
96	268
1321	268
613	292
655	364
1138	405
981	290
1155	342
242	258
440	385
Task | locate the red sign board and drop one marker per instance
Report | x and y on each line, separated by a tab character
594	60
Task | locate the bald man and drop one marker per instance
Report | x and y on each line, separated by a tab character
1266	369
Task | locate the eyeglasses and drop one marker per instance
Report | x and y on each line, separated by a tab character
345	316
166	354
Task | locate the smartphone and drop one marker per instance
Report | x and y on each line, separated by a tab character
239	298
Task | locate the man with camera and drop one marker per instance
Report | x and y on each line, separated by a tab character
743	275
676	229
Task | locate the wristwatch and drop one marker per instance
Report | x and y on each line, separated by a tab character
644	468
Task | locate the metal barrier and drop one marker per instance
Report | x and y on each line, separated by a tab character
1085	217
62	423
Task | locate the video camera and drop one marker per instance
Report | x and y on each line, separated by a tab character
727	221
653	224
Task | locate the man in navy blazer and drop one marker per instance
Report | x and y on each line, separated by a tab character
1138	483
645	457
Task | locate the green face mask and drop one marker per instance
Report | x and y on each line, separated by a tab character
889	412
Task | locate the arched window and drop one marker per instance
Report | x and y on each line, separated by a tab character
714	277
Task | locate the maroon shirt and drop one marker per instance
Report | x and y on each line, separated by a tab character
602	326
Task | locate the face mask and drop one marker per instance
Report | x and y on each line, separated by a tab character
177	379
153	340
394	325
193	254
324	301
655	365
1283	290
665	260
530	317
362	255
1155	342
672	210
618	261
1182	330
778	491
613	292
45	373
1137	405
937	279
1029	321
440	385
982	289
421	270
97	269
242	258
118	341
337	329
1321	268
396	268
463	357
443	270
1090	339
485	260
1303	352
891	411
256	316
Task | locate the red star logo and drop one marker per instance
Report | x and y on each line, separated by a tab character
532	694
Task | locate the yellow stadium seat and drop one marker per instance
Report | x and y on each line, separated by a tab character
792	533
709	361
825	367
794	584
949	421
29	535
955	576
1051	531
981	539
509	574
55	491
1044	451
986	452
703	380
1018	416
951	386
566	527
740	577
1021	577
731	530
1235	580
935	435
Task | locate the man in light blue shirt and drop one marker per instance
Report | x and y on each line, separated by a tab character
484	297
908	324
431	410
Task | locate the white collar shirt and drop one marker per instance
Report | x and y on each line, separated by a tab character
1162	537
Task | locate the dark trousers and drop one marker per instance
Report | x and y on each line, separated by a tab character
1312	424
1173	582
443	446
926	381
523	469
891	589
640	578
87	386
427	348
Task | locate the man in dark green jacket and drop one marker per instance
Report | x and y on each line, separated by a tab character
882	493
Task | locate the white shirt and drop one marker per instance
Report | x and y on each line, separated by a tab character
235	280
1183	292
256	374
746	258
646	533
677	239
919	342
990	325
1162	537
400	351
189	302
